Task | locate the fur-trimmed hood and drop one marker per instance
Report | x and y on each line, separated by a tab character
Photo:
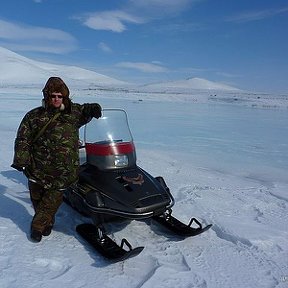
56	84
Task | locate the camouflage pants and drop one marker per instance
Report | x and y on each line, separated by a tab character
45	203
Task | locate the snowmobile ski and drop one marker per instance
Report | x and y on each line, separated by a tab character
105	245
179	228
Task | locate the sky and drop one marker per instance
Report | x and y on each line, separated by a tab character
239	43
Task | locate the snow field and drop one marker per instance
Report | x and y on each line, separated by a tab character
246	246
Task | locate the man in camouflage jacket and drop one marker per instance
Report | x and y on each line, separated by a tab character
50	158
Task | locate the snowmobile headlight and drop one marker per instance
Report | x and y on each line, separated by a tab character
120	160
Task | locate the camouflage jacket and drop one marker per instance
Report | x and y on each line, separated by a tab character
52	160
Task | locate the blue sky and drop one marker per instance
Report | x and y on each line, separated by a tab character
243	43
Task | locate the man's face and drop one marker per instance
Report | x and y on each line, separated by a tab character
56	99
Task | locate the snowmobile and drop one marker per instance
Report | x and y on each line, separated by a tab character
112	186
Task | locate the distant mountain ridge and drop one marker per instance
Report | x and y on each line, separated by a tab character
17	70
191	83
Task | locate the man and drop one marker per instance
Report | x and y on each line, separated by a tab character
46	150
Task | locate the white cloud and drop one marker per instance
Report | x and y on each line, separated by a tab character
109	20
135	12
32	38
257	15
104	47
143	67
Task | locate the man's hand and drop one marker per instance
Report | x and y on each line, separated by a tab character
97	110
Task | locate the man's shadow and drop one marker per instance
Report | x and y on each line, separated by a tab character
13	206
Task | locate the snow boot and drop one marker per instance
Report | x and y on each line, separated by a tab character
36	235
47	230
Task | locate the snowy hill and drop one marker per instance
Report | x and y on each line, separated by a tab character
19	74
188	84
19	70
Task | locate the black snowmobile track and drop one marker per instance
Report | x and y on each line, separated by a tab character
105	245
180	228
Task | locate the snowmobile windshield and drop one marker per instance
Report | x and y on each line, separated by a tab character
111	128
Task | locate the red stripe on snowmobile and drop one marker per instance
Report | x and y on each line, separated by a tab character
109	149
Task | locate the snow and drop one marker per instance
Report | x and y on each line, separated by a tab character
224	160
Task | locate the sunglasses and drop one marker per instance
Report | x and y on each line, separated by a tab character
58	96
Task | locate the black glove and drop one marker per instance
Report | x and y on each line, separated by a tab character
19	168
96	110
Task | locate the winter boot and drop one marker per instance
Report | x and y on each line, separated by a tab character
47	230
36	235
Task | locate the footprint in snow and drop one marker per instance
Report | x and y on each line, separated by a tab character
52	268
